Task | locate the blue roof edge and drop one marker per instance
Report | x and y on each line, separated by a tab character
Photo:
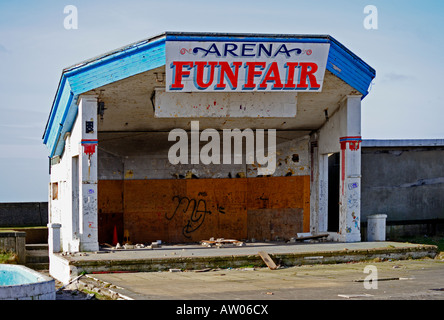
341	62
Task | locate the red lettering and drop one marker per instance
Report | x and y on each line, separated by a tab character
251	73
305	73
290	75
179	73
272	75
199	74
225	70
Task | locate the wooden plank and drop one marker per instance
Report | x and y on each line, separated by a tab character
267	259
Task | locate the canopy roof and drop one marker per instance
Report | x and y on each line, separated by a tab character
149	54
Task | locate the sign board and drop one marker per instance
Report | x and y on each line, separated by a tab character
232	105
245	66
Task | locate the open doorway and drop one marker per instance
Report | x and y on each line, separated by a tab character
333	192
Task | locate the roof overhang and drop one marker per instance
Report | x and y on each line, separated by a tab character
149	54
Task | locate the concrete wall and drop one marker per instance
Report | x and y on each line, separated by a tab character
23	214
405	180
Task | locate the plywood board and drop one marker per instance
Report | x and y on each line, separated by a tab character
110	210
270	224
190	210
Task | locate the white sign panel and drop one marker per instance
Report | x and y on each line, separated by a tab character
213	66
231	105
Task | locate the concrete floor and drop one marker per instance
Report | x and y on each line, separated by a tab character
407	279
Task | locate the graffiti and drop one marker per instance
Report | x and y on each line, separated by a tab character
353	185
264	201
196	210
353	145
220	209
356	223
89	205
353	200
355	220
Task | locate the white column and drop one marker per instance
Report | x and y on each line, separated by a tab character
54	237
87	117
350	172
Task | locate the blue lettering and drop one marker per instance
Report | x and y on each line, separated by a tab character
211	50
283	49
229	48
245	49
263	49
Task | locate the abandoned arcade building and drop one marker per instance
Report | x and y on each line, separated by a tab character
185	137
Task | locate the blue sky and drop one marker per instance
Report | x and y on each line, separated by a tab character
405	102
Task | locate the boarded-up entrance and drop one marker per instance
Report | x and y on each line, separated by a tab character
191	210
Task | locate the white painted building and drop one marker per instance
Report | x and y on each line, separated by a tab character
107	134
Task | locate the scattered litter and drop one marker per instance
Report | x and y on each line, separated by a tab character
203	270
221	242
175	270
248	269
267	259
100	252
348	296
73	280
308	237
382	279
270	293
437	289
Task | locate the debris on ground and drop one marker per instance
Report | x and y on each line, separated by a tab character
308	237
267	259
221	242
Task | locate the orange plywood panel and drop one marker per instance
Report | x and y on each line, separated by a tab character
146	204
190	210
110	210
110	196
271	224
276	192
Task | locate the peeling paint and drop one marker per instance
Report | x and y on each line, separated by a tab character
129	174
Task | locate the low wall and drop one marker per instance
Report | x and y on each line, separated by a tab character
398	230
23	214
13	241
403	179
34	235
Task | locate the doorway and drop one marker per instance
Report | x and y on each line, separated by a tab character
333	191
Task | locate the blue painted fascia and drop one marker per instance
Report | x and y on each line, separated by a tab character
95	73
150	54
120	65
349	67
